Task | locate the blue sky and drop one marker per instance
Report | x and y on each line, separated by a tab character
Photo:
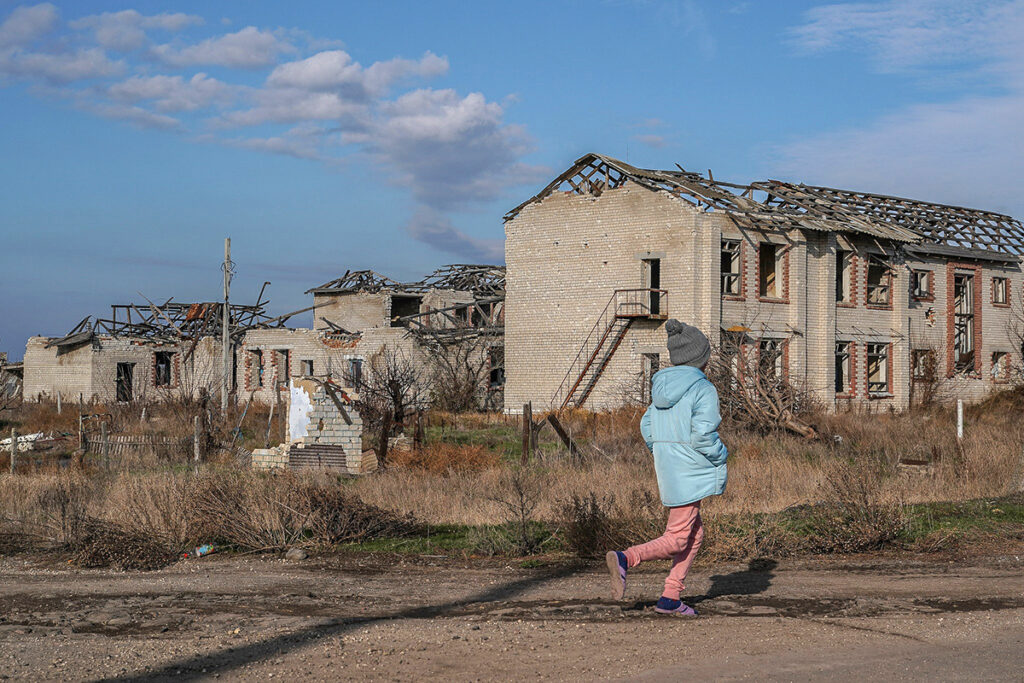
322	136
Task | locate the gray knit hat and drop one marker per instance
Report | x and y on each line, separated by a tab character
686	344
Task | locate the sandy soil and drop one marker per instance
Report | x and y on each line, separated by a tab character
345	616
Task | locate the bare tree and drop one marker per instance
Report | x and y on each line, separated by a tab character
461	372
390	389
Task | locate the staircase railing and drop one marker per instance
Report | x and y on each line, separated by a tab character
624	303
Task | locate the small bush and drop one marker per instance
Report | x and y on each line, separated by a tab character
105	544
445	457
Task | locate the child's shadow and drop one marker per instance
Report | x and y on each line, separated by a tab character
756	578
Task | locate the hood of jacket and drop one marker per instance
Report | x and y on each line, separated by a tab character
671	384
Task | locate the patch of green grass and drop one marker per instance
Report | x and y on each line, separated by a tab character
989	515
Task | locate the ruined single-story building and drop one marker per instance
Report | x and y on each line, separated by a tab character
154	352
361	313
855	297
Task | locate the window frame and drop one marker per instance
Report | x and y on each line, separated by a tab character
1000	285
736	261
159	379
929	290
847	364
875	262
845	272
885	367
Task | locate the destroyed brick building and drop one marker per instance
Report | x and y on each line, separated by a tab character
152	352
856	297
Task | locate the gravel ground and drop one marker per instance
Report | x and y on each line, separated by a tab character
343	616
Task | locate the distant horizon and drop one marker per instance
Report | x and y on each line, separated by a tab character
334	136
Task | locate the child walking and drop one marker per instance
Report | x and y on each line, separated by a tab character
681	430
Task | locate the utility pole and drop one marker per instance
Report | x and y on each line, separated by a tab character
225	330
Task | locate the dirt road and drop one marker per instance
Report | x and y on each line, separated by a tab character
343	616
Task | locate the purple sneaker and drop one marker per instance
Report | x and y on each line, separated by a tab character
675	607
617	565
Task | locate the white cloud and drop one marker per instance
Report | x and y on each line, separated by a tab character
289	105
448	149
60	68
963	151
248	48
335	70
651	140
125	30
25	24
173	93
137	116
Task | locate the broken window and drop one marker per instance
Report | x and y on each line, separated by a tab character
354	376
879	282
652	281
921	284
162	368
843	366
1000	291
284	369
307	368
844	272
403	305
731	268
651	365
878	368
1000	366
496	365
124	382
767	268
256	367
770	359
963	322
922	365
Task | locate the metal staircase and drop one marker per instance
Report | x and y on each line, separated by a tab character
624	307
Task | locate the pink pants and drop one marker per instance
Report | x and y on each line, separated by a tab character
680	543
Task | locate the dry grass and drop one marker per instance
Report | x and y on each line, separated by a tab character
441	458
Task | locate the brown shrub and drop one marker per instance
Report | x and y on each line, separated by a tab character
106	544
444	457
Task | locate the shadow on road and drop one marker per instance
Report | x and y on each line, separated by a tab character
223	661
756	578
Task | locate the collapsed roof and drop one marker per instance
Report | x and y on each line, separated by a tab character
478	279
773	204
169	322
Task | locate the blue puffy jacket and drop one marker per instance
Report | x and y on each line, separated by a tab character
681	429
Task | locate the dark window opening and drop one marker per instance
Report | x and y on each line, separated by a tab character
921	284
307	368
731	268
162	368
963	322
768	266
403	305
124	383
355	372
878	368
651	365
844	268
1000	291
879	283
769	359
652	280
496	364
843	366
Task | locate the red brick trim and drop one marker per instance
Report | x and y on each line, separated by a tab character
951	268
